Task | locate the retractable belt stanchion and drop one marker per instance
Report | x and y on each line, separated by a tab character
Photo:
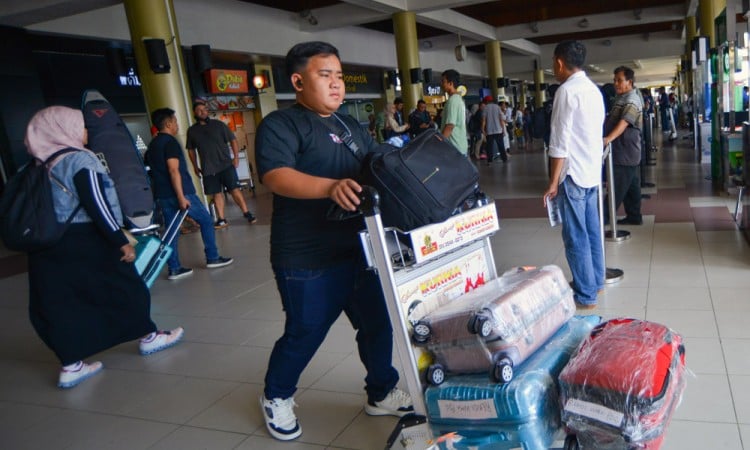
611	275
613	235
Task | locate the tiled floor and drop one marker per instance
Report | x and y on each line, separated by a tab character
687	266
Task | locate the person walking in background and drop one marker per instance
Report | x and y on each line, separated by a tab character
212	139
575	152
85	295
454	112
623	130
174	191
419	119
493	127
318	264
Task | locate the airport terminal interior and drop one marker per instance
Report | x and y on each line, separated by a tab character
686	266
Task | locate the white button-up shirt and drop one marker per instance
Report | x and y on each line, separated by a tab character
576	130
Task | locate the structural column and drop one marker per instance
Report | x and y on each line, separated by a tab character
706	11
538	81
690	33
407	54
494	67
151	19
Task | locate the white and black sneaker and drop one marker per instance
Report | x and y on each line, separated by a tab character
219	262
396	403
281	421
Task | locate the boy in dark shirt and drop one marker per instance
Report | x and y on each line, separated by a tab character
174	190
318	264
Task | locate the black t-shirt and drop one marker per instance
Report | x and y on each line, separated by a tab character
212	143
161	148
301	236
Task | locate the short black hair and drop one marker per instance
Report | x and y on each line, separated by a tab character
160	116
452	76
420	101
572	53
298	56
398	100
198	103
627	71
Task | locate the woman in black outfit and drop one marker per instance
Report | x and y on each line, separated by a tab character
85	294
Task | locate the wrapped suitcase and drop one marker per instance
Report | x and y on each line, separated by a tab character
621	388
524	413
498	325
152	253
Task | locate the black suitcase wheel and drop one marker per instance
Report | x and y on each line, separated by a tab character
436	374
571	442
502	371
421	332
481	325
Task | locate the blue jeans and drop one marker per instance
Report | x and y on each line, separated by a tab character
313	299
199	213
579	208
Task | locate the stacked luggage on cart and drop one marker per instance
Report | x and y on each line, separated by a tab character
507	364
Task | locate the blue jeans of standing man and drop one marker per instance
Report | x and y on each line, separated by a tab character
313	299
199	213
579	208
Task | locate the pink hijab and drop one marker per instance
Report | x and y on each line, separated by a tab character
54	128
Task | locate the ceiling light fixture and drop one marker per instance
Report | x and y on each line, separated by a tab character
583	23
534	27
607	43
637	13
427	43
307	14
637	63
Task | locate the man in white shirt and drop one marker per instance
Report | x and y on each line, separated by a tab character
575	152
493	127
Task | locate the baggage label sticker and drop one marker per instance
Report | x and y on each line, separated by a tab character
473	409
594	411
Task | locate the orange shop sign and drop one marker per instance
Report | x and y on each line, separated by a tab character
224	81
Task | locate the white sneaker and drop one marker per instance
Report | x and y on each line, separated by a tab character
71	378
396	403
281	421
161	340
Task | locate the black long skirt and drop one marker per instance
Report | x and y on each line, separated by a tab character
83	299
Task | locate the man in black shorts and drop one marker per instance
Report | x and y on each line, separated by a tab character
212	139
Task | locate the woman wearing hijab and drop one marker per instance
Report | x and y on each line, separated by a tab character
85	294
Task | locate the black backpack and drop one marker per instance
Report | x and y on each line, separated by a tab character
28	221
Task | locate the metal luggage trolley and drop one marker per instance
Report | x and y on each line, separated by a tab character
420	270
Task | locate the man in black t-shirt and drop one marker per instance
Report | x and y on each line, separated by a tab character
318	264
212	139
174	191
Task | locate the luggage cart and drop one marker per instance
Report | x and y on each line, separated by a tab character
418	271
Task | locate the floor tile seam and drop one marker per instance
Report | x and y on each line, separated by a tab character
176	430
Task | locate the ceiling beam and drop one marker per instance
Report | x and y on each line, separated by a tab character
595	22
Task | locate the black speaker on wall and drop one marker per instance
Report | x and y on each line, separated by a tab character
116	64
392	77
503	82
427	76
156	51
415	74
202	57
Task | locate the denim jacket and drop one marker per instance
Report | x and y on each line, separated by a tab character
64	190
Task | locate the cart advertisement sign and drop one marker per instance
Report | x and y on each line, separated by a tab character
434	240
424	294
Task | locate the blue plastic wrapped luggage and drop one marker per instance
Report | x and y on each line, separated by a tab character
524	413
